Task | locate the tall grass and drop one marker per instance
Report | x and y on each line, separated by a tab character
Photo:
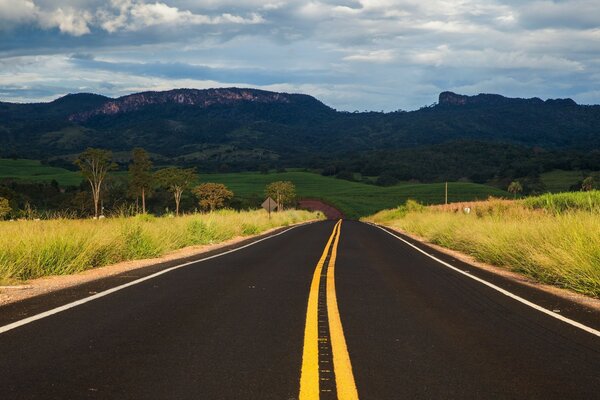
554	239
561	202
31	249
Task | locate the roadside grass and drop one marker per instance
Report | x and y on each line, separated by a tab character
554	239
31	249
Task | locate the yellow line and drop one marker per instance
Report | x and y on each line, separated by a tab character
309	377
342	367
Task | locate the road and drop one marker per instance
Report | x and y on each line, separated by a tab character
321	311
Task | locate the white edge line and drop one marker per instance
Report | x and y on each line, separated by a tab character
497	288
79	302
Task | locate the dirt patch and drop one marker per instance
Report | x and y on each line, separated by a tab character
318	205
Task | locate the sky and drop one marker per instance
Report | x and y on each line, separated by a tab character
351	54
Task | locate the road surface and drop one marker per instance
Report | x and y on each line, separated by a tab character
321	311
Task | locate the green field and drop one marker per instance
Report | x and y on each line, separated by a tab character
561	181
34	171
353	198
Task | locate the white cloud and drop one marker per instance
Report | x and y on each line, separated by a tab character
136	15
17	10
73	22
377	56
531	48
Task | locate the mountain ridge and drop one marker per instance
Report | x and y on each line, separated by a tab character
191	97
241	129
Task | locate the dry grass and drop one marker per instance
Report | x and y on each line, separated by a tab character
31	249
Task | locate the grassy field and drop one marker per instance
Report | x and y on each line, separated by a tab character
34	171
354	199
31	249
554	239
561	181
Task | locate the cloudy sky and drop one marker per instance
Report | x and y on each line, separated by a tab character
351	54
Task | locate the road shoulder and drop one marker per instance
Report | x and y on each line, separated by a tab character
39	295
573	305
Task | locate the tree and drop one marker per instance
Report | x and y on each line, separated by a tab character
140	171
283	192
94	165
212	195
588	184
4	207
515	187
176	180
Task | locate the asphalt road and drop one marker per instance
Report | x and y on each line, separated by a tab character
238	327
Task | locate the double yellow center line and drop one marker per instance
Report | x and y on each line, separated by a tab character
323	334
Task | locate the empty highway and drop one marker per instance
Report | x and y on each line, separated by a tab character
320	311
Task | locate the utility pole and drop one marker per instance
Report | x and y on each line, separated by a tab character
446	192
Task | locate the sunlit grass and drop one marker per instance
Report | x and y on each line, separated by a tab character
554	239
31	249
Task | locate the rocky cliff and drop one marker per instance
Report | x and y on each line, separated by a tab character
191	97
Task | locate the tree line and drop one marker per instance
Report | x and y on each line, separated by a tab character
143	182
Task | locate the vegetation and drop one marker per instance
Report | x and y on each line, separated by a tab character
588	184
35	172
561	203
354	199
212	195
557	181
94	165
554	239
140	172
30	249
515	187
4	207
283	192
489	137
176	180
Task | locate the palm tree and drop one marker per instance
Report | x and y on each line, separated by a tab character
515	187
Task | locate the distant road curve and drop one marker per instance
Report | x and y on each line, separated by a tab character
318	205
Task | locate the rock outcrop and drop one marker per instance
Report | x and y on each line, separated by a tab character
191	97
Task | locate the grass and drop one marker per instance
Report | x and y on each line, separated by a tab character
561	181
563	202
553	239
35	171
354	199
31	249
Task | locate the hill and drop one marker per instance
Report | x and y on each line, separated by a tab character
480	138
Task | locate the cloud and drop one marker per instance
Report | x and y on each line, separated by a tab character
129	15
353	54
135	15
378	56
17	11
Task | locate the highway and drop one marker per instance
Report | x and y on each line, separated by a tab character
321	311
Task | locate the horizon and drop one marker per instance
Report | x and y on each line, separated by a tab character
361	55
291	93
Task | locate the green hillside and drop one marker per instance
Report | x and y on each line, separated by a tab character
35	171
353	198
561	181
